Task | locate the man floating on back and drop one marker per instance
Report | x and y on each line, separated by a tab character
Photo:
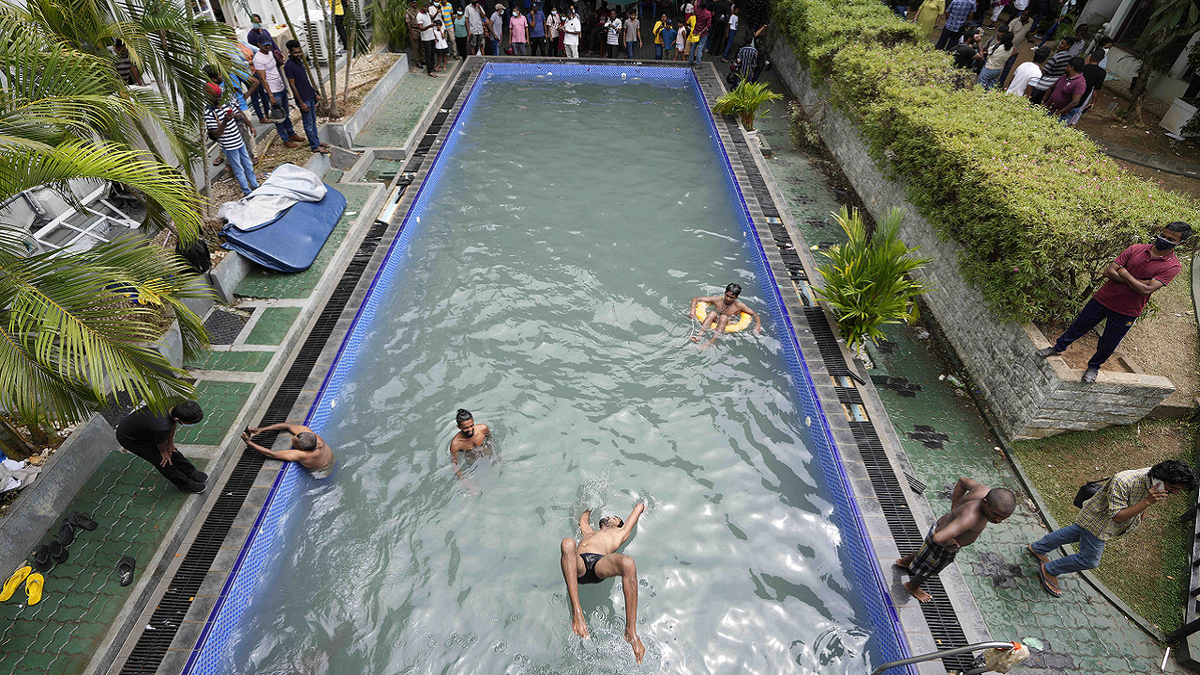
594	559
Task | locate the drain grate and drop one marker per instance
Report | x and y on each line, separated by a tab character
439	120
223	327
152	646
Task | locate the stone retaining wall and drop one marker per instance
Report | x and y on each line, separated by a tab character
1027	397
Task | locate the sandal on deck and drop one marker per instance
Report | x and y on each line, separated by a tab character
125	570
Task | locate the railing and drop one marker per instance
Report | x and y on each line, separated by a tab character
949	652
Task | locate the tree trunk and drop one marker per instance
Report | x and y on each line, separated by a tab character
1141	81
331	102
349	57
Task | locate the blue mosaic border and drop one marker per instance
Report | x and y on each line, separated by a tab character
246	577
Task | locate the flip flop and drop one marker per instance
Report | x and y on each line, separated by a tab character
1041	558
41	558
1050	588
66	532
33	588
81	520
125	570
14	582
58	552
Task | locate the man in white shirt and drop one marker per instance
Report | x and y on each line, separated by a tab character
1027	72
428	35
613	24
267	70
496	28
571	30
476	18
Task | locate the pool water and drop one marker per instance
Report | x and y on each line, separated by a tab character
545	288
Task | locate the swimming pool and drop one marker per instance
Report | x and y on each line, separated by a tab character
541	280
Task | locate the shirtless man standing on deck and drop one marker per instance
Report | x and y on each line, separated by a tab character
470	436
972	506
724	309
594	559
308	449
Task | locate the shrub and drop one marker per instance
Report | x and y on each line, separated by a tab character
744	101
866	278
1038	209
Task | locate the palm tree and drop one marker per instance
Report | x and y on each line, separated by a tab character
69	332
164	42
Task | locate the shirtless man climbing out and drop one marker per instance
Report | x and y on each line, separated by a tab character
972	506
470	436
725	308
308	449
594	559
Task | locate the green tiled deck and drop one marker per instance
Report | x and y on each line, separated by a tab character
221	402
242	362
272	326
262	283
396	118
134	507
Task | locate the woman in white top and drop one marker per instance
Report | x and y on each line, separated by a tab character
995	57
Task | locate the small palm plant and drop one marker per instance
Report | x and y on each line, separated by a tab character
866	279
744	101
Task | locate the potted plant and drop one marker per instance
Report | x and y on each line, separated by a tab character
744	102
867	280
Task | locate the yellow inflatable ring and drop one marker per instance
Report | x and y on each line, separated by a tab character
703	308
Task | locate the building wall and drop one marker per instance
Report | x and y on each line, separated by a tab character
1027	397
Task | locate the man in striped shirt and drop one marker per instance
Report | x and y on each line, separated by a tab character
1055	67
222	124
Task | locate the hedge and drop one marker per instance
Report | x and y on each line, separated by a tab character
1038	209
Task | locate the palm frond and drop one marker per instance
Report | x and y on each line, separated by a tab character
22	168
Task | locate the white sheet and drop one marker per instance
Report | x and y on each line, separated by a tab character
285	186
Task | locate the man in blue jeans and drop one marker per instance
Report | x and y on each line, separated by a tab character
704	20
221	121
1133	277
306	96
266	69
1114	511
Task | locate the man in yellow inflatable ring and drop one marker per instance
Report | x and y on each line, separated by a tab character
724	309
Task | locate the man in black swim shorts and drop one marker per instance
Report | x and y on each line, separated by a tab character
594	559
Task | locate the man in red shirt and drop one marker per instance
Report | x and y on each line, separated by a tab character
1067	93
703	24
1140	270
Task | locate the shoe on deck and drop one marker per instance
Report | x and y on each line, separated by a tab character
66	533
33	588
41	559
125	570
58	552
1047	352
81	520
1090	375
195	487
14	582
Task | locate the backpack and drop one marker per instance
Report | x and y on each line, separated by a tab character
1088	491
196	255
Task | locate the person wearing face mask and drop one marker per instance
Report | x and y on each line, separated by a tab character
1132	278
257	32
151	436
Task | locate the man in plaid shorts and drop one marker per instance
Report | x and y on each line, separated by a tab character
972	506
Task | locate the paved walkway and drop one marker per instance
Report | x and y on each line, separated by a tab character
944	438
1159	162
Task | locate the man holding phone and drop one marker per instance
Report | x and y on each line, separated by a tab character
1114	511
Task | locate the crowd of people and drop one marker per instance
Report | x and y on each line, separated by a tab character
681	32
1059	76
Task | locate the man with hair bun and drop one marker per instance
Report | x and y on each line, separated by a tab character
972	506
1114	511
308	449
469	437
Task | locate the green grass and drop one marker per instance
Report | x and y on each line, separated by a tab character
1147	569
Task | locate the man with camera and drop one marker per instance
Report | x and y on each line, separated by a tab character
1114	511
